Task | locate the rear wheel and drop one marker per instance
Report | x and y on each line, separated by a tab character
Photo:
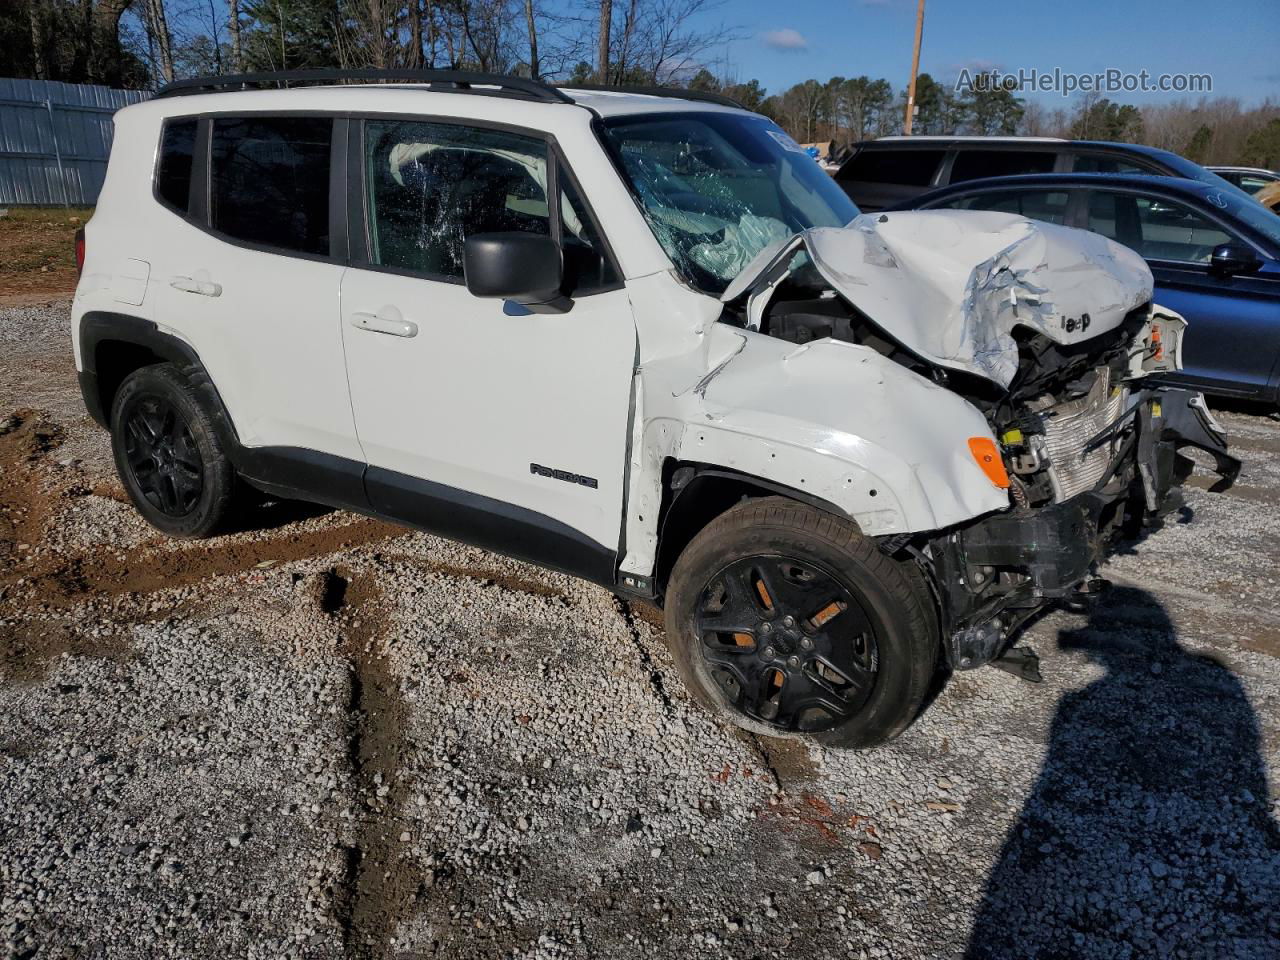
168	455
786	620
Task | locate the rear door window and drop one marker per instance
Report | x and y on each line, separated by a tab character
1101	163
1047	205
173	171
270	181
979	164
912	168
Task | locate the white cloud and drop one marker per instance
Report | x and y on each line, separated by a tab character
786	39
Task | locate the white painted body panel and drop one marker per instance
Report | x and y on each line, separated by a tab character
270	339
481	392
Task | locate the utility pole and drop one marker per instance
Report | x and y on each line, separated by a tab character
915	71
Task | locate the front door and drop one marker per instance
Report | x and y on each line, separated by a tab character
480	420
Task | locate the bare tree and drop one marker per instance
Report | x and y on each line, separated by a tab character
159	40
105	56
39	39
233	27
602	47
535	67
664	46
414	55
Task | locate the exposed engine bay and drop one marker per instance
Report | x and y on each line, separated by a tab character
1088	449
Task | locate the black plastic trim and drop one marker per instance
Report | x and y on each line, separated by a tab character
451	81
502	527
97	326
296	473
339	241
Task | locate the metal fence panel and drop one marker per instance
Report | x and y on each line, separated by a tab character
55	139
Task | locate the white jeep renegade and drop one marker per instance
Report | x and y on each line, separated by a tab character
642	338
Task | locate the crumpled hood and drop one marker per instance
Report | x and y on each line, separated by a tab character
951	285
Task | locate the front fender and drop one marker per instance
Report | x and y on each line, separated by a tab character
837	421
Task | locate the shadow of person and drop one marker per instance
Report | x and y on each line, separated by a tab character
1148	832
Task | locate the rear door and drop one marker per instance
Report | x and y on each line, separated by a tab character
249	273
1233	335
480	420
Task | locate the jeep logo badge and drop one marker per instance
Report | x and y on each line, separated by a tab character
1071	325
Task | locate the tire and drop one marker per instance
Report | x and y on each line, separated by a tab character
168	455
852	645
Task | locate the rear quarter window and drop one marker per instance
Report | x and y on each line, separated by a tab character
913	168
1103	163
173	170
979	164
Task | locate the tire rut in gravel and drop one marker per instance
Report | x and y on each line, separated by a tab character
380	883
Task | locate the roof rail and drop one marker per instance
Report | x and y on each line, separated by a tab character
676	92
455	81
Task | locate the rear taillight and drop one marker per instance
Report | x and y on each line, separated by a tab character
80	250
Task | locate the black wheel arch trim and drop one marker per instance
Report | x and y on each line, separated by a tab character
100	326
681	493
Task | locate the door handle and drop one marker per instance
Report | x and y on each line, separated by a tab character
205	288
385	321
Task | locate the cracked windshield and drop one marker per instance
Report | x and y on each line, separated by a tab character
719	188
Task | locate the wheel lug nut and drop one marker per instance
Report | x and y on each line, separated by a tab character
806	643
766	627
793	662
788	621
768	653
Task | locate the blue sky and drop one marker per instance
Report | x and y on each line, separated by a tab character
785	42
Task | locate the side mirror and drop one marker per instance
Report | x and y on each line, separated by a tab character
525	268
1231	258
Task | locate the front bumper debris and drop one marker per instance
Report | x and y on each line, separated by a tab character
994	574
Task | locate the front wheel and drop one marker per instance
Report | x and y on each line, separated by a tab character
787	620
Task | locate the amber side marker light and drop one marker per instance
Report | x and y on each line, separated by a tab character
987	455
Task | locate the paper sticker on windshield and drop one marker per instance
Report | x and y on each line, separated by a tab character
785	141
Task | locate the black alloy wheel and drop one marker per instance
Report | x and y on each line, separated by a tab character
163	456
788	644
784	620
169	455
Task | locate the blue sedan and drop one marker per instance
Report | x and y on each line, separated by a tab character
1215	256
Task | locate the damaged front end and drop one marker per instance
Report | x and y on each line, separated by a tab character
1049	333
1089	492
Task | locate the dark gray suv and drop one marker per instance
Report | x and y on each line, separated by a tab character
888	171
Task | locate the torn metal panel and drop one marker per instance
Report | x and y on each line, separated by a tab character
952	285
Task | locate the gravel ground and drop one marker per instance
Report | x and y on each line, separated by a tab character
326	736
